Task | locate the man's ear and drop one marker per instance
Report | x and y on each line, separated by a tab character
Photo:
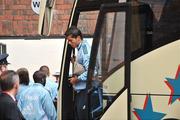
79	38
16	86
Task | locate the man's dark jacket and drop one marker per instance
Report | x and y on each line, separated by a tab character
9	109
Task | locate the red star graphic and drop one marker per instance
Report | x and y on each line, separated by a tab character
171	87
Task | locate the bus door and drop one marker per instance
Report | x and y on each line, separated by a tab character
81	9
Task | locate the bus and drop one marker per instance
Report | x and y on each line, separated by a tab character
136	44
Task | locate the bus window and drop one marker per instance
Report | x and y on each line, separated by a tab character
87	22
110	57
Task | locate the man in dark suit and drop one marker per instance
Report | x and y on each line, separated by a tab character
9	82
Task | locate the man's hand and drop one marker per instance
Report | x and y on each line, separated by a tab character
73	80
73	59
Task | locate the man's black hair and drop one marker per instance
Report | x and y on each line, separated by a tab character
74	32
39	77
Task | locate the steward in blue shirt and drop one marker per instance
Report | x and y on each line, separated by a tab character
50	85
75	39
24	81
35	103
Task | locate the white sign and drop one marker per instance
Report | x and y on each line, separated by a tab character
35	5
32	54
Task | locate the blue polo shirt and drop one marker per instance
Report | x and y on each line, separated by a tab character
35	103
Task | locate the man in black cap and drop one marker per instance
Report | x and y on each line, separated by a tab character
3	62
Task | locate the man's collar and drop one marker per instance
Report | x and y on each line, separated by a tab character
79	46
12	96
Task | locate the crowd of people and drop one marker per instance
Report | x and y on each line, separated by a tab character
25	99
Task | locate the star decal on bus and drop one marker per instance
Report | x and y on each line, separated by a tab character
174	84
147	112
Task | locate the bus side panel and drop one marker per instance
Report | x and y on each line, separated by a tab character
149	72
159	105
118	110
157	75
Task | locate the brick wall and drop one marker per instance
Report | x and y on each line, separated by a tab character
18	19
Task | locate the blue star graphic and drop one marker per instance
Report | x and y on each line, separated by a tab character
147	112
174	84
